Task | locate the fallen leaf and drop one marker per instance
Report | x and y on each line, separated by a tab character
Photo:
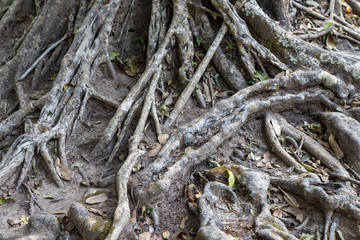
324	144
145	236
155	150
166	234
97	199
330	41
63	170
136	169
306	236
5	199
169	99
129	73
253	212
231	178
268	165
182	222
48	197
25	219
163	138
43	128
14	221
278	213
61	212
298	213
291	200
260	163
335	147
98	211
266	156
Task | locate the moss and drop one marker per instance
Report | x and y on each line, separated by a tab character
99	227
272	222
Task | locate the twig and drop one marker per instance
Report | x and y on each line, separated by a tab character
303	224
347	29
318	34
301	144
33	198
42	56
195	78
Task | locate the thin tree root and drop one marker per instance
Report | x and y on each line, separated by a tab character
270	129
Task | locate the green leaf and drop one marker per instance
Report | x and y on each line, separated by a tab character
150	210
133	69
198	41
305	236
261	76
143	209
253	212
136	169
4	199
76	165
25	219
327	25
231	178
6	8
113	56
305	158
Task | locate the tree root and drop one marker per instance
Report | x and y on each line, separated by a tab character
64	105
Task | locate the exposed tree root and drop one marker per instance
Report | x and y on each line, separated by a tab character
261	44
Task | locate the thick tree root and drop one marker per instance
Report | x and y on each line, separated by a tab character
63	106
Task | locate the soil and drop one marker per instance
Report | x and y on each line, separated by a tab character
237	218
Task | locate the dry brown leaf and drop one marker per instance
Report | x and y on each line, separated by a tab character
98	211
324	144
335	147
298	213
330	41
260	163
14	221
129	73
182	222
43	128
278	213
163	138
268	165
145	236
169	99
97	199
63	170
133	217
155	150
291	200
166	234
266	156
60	212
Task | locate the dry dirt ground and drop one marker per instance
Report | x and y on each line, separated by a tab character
175	221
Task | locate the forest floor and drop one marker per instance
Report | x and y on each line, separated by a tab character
176	221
